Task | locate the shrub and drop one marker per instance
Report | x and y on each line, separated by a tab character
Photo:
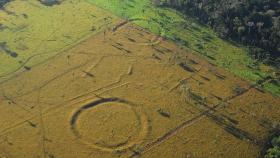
274	151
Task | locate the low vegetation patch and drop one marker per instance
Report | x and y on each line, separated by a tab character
274	150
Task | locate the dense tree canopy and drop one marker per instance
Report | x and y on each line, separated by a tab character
3	2
252	22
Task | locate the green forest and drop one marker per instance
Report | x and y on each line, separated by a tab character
2	2
254	23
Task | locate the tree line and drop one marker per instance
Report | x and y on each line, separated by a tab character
255	23
3	2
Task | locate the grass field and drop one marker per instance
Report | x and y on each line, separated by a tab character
86	83
37	32
192	36
121	94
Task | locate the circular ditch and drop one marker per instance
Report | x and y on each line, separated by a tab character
155	40
110	124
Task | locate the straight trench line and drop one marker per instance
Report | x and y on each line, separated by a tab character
42	129
149	146
185	124
8	76
170	134
59	106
